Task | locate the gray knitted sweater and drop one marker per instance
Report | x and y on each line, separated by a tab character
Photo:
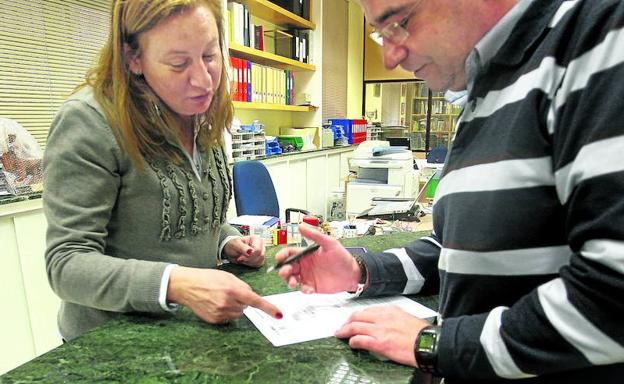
112	228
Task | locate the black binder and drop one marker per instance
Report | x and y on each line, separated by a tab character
305	9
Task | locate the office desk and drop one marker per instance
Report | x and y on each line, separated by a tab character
183	349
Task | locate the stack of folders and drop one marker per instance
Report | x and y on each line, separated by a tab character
257	83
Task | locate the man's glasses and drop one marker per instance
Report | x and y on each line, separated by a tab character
395	32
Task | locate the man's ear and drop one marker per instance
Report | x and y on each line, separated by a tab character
133	60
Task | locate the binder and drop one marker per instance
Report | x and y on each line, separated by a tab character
259	37
248	85
305	9
238	24
233	79
292	88
246	21
295	44
239	71
252	35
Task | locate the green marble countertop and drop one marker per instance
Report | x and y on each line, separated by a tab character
10	199
184	349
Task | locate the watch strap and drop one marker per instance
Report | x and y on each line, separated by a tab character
363	276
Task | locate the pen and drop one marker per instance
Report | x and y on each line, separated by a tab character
290	259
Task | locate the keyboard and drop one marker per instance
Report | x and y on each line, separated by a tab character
390	207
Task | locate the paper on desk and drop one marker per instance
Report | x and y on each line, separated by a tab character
317	316
250	220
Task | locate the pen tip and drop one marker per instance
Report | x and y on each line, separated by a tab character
270	269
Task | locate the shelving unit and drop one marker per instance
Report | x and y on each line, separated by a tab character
268	58
429	129
373	132
275	17
272	107
247	145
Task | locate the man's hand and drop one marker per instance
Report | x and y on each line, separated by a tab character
215	296
330	269
387	331
246	250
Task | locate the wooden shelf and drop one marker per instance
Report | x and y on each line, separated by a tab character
269	59
272	107
277	15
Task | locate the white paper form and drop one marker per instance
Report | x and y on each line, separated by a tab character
317	316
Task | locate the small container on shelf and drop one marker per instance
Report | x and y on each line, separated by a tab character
327	137
282	41
295	141
272	146
346	125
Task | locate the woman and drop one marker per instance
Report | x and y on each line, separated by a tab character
136	184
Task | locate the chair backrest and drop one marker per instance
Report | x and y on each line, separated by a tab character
437	155
254	192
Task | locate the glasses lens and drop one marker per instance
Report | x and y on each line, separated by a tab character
377	38
396	34
393	33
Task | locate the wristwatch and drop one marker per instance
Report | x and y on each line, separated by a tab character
363	276
426	349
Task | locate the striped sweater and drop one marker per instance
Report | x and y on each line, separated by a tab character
528	251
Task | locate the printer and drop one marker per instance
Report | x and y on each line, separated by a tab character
382	172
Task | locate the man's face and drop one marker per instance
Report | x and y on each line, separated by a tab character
438	42
181	61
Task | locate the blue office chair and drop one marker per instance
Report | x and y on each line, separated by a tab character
254	193
437	154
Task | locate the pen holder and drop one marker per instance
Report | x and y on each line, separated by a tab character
293	235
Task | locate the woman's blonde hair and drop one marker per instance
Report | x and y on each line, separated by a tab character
140	121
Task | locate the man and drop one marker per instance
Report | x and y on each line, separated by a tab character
528	244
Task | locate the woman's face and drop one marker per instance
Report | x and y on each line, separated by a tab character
181	60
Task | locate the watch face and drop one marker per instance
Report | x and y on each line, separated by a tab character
426	342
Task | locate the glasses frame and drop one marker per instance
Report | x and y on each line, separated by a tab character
395	32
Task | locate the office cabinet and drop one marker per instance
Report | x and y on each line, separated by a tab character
16	344
29	325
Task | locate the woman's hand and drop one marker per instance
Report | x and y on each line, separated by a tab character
387	331
330	269
246	250
215	296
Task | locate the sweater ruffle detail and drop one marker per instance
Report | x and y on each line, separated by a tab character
165	232
182	203
195	228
